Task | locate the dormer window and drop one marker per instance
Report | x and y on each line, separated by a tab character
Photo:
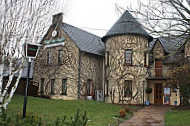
128	57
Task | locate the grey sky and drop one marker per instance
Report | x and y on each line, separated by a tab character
94	14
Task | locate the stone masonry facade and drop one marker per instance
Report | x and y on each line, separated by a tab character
117	71
74	64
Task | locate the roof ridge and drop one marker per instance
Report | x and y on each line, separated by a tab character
126	24
81	29
84	40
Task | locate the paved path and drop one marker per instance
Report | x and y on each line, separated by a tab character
148	116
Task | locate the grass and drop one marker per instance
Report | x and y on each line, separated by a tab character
177	118
99	114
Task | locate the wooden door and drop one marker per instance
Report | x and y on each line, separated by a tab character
158	68
158	93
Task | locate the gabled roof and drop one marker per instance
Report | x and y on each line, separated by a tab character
126	24
173	47
170	45
85	41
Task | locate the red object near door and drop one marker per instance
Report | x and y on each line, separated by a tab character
158	68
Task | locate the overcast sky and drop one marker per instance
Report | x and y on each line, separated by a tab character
94	14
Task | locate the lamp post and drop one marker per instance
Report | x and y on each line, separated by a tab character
26	88
30	51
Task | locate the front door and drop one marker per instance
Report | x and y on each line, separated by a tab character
158	93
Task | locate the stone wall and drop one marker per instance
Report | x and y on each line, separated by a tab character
117	71
92	69
158	51
67	70
187	49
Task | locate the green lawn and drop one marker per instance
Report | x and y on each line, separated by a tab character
99	114
177	118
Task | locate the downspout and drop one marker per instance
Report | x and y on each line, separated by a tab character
143	91
103	79
79	73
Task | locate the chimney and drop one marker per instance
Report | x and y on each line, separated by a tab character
57	18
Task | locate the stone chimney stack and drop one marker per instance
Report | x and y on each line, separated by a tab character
57	18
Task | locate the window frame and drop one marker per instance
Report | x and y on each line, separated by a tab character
64	86
60	56
49	58
106	88
131	57
188	59
88	87
145	59
53	86
107	58
128	82
42	85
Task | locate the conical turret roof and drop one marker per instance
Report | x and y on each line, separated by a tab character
126	24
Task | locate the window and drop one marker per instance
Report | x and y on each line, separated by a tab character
52	86
64	86
188	59
145	60
42	85
106	88
107	58
48	58
128	88
60	56
158	67
88	87
128	57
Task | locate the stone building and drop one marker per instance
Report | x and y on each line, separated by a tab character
126	59
70	62
165	54
73	64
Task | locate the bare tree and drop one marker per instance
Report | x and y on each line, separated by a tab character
164	17
180	78
21	21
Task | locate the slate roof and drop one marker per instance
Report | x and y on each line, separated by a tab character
174	46
126	24
169	45
85	41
